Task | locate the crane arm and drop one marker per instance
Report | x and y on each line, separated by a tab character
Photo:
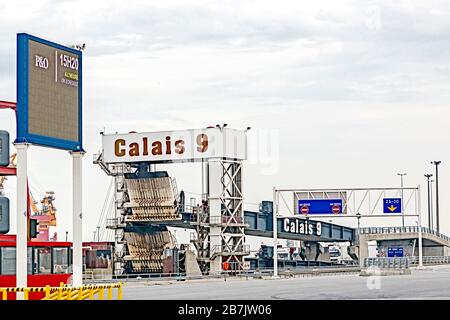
12	164
33	203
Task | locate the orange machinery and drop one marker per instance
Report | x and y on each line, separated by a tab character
46	217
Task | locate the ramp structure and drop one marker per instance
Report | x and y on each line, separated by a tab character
152	198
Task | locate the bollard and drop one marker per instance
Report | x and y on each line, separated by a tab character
119	293
47	291
25	293
110	293
101	294
5	295
80	293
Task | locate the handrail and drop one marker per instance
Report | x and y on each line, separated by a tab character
406	229
224	249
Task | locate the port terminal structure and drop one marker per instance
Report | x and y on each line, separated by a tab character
146	200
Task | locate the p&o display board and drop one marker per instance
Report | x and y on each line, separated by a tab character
49	94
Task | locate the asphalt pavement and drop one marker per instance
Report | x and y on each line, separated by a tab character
430	283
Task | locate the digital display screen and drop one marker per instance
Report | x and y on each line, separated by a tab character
49	93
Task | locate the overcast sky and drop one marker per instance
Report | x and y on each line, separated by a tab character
345	94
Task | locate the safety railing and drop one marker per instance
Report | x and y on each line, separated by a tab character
404	262
114	223
430	260
407	229
218	220
387	263
199	218
88	275
64	292
251	273
221	250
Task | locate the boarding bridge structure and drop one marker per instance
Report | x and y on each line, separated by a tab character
147	200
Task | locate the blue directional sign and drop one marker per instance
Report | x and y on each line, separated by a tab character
322	206
395	252
392	205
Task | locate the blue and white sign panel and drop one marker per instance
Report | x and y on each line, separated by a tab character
320	206
392	205
395	252
49	94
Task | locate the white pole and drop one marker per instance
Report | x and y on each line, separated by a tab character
402	207
420	228
22	225
77	162
431	205
275	233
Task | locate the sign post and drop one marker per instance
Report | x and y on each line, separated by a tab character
275	234
419	222
22	225
77	171
49	114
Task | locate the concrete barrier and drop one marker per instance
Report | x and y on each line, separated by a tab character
371	271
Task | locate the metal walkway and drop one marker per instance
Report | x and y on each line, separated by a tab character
402	233
260	225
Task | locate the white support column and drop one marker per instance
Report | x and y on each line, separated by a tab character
420	228
22	225
77	171
275	232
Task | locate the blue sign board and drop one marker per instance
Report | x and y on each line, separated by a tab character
49	94
395	252
392	205
322	206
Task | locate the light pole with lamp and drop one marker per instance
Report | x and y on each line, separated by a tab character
428	176
431	204
275	232
437	163
401	179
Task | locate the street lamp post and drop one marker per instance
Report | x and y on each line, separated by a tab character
431	204
437	163
275	232
403	212
428	176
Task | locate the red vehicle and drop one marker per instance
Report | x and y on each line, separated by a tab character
49	263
